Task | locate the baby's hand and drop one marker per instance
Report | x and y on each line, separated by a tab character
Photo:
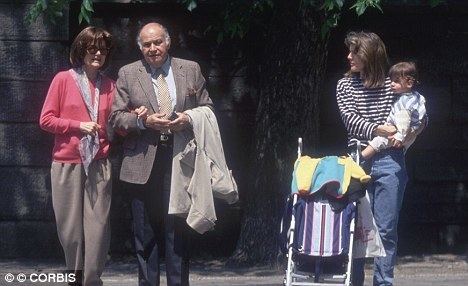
397	144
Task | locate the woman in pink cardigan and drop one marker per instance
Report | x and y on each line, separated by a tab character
75	110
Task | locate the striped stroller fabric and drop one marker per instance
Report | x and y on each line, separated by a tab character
320	231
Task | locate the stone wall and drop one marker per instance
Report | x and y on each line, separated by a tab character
29	57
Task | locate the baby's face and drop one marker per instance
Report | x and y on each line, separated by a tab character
401	85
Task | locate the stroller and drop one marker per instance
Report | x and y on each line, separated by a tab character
318	230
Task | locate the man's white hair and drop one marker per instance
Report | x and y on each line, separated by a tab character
166	34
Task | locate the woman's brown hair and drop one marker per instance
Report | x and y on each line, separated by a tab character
87	37
370	49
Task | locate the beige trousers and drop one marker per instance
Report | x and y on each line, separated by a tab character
81	206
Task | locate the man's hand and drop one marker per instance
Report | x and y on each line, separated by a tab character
90	128
180	123
157	122
385	130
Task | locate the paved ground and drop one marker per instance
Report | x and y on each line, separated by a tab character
440	270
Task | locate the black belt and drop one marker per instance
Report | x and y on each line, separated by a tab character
166	139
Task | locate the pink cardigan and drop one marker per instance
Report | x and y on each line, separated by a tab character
63	111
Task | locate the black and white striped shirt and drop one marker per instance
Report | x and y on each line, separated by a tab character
363	109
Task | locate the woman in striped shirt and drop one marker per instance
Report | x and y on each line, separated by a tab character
365	98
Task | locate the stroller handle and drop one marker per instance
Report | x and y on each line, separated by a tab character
357	143
299	147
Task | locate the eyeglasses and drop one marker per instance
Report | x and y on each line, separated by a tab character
92	50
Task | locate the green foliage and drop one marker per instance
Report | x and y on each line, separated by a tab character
361	5
190	4
238	15
435	3
332	9
86	10
235	18
52	9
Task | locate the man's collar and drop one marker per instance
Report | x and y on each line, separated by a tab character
164	68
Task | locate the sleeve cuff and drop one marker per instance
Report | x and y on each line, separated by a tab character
370	130
199	222
74	125
140	124
398	136
379	143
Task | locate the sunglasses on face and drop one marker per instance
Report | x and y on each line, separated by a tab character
92	50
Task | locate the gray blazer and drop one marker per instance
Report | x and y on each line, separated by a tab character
134	89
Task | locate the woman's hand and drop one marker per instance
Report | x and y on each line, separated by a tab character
385	130
90	128
141	112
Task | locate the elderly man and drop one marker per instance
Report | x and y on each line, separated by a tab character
153	94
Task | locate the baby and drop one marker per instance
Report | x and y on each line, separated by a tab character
408	114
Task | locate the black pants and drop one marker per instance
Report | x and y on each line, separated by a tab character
155	232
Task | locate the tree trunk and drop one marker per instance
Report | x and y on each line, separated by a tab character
291	76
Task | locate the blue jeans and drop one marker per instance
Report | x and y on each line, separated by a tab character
386	190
